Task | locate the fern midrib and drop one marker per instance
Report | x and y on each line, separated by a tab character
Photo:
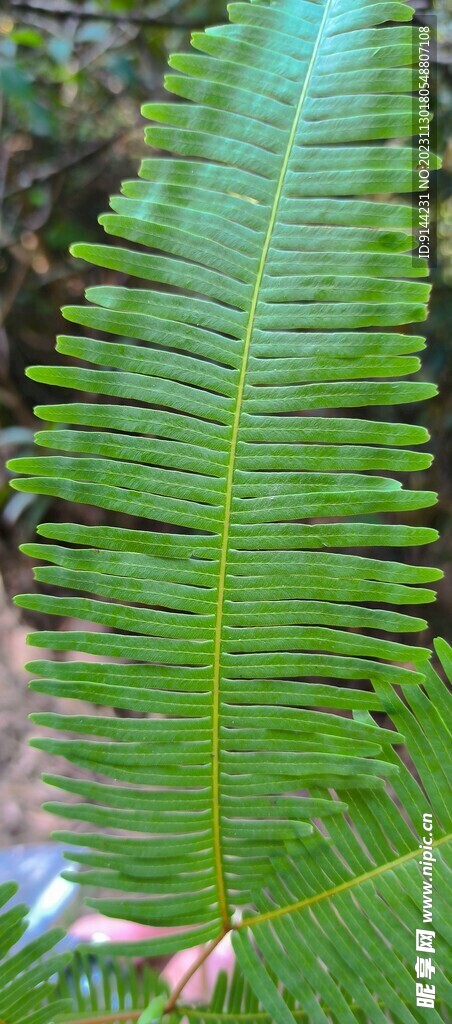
350	883
216	828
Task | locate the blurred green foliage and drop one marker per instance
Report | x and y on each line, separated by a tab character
72	79
73	74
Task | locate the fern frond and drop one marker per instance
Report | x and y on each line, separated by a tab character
236	1002
235	608
338	926
99	986
27	975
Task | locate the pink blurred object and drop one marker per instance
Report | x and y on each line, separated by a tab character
200	986
97	928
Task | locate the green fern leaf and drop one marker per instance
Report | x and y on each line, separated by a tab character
238	1003
235	607
339	926
96	986
27	974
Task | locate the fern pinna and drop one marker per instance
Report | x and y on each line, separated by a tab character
348	900
261	321
27	975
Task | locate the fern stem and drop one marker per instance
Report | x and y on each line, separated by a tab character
192	970
247	1018
109	1018
222	898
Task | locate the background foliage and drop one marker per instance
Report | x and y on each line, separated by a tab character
72	82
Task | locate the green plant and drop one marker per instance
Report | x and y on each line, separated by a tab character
373	906
231	434
27	992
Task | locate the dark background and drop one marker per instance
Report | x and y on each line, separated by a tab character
73	76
